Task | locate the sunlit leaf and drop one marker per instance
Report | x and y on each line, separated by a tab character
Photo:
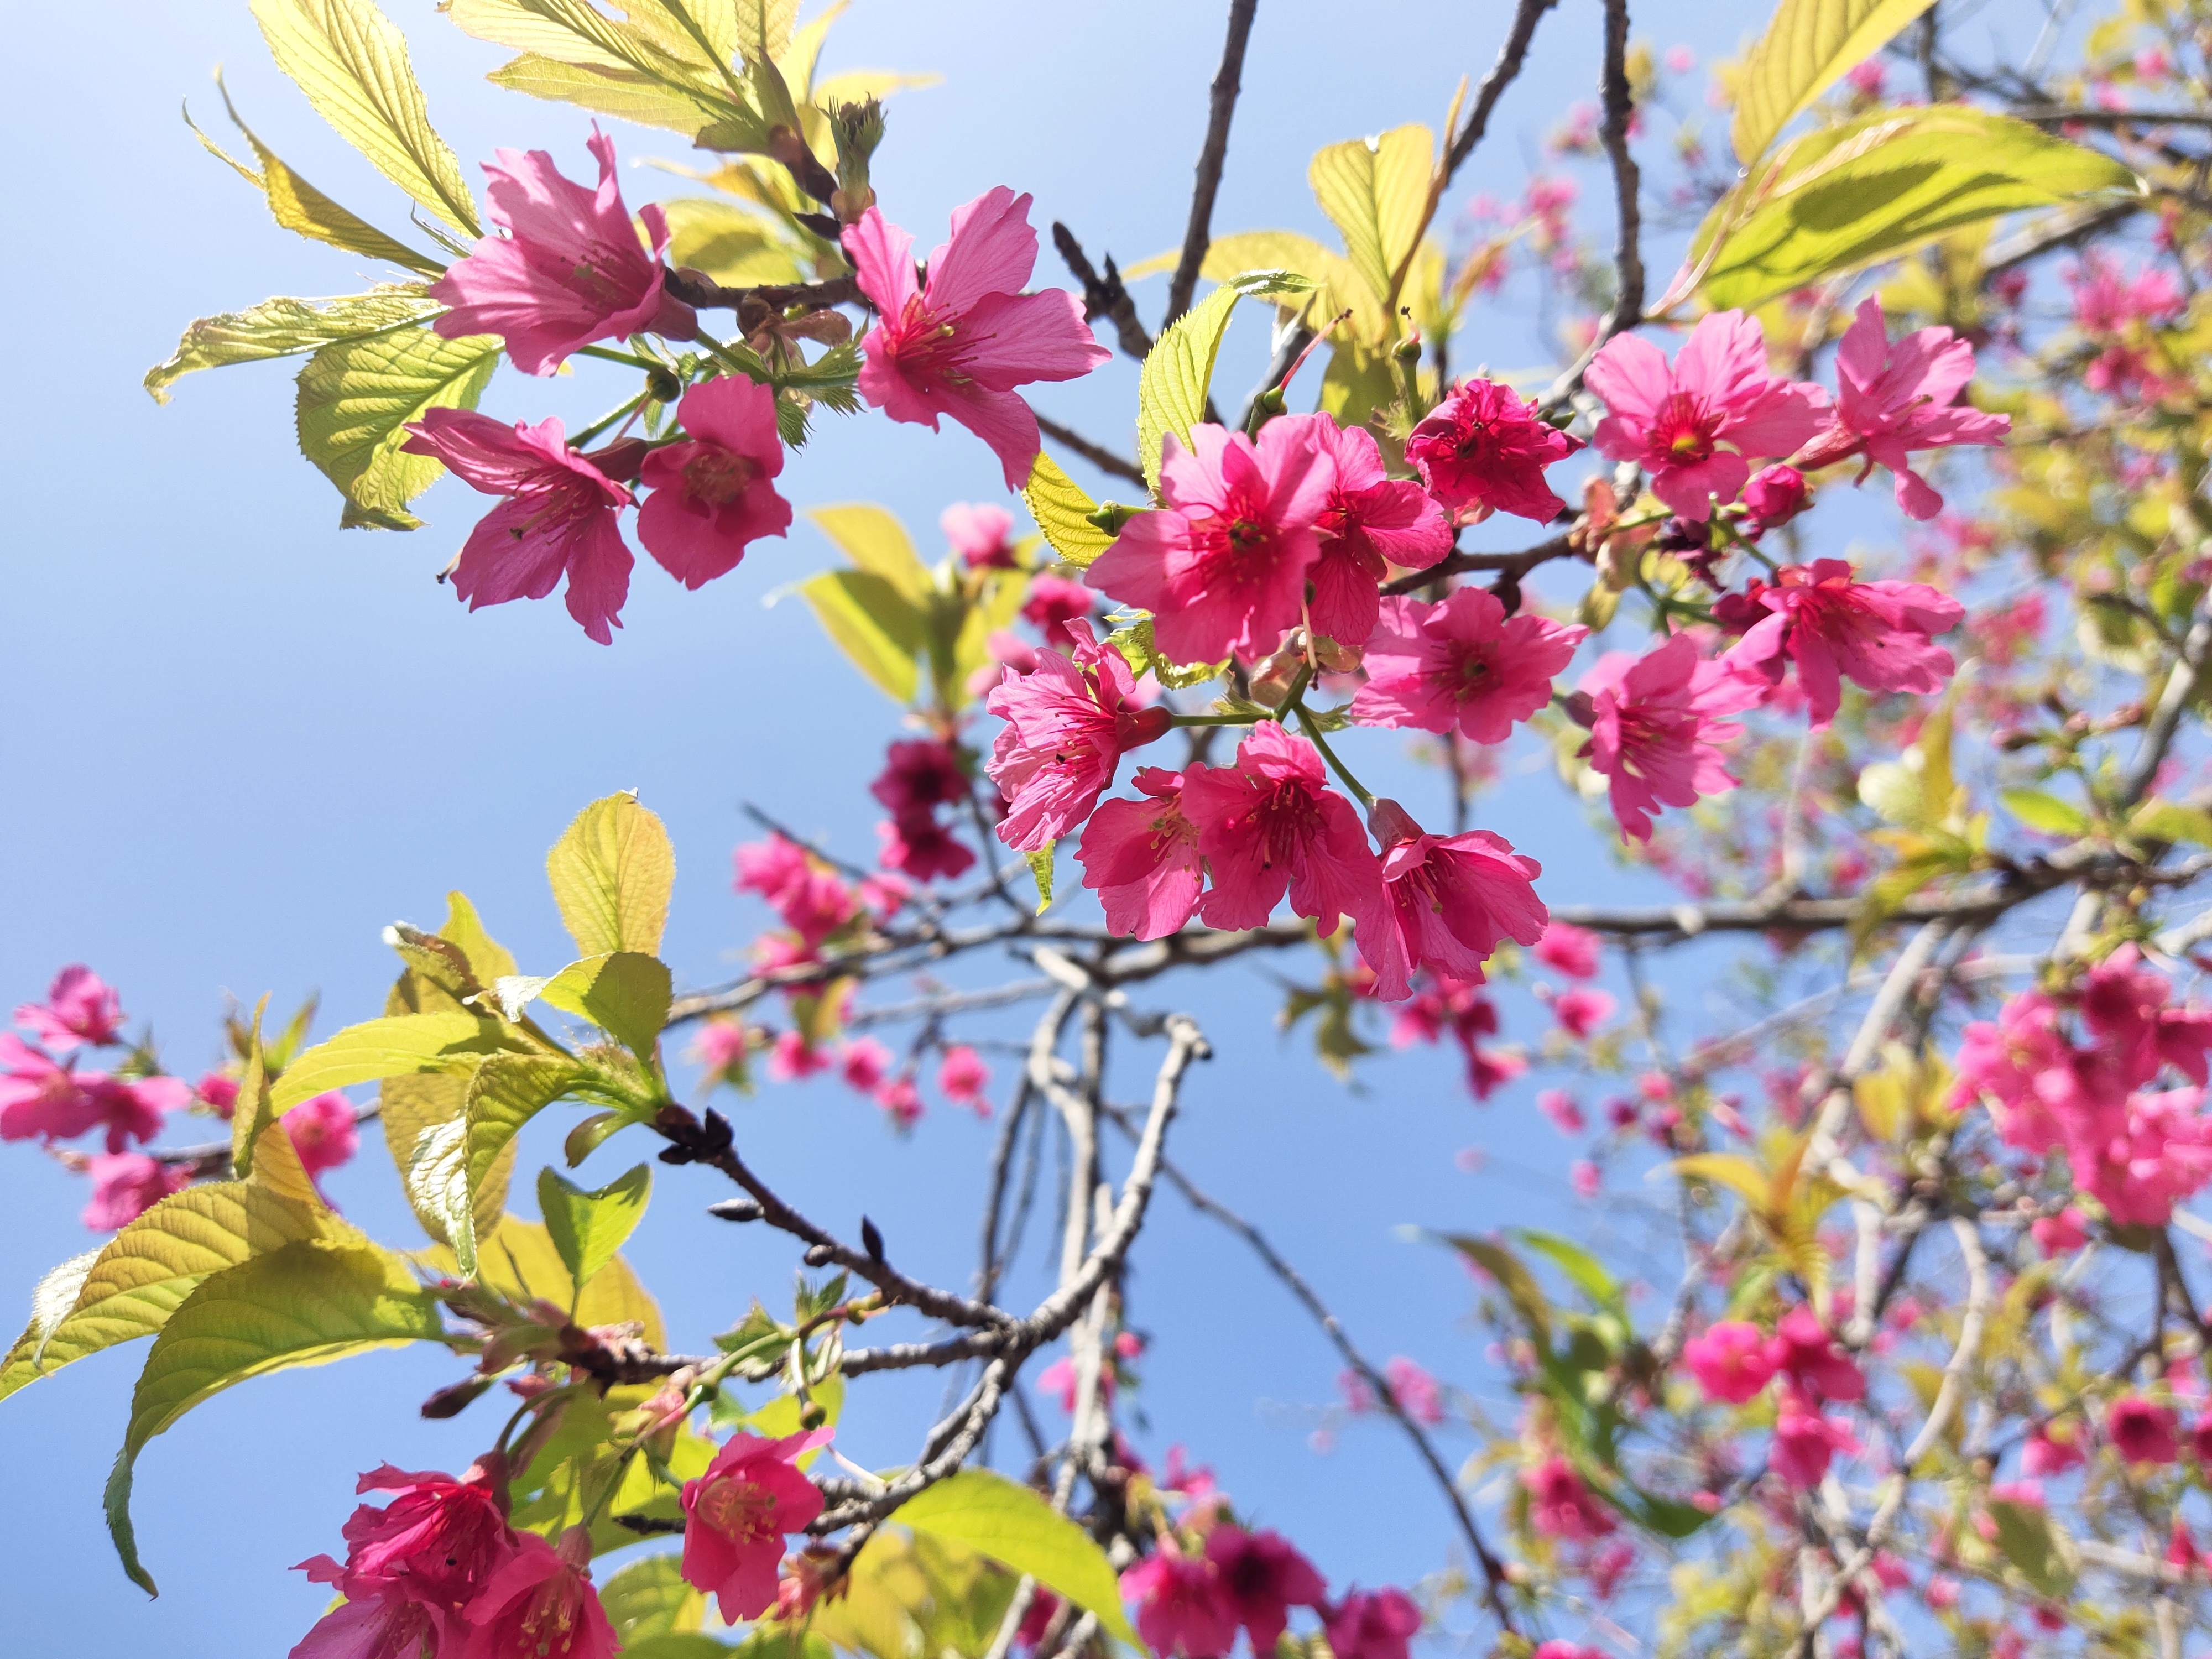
286	328
1810	45
1377	192
612	871
356	400
1011	1524
1178	374
1063	512
872	622
873	538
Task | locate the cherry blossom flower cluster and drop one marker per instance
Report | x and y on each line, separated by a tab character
1734	1361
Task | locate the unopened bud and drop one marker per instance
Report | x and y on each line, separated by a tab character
1391	824
1110	516
455	1397
623	460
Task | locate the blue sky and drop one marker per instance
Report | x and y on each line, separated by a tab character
244	741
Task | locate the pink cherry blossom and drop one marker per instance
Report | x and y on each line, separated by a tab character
1556	1649
1892	400
322	1131
2044	1454
1805	1441
438	1543
792	1058
1223	566
982	535
919	774
1579	1013
557	517
1802	1348
2142	1430
1371	522
1068	723
961	343
1182	1613
1371	1625
39	1096
1054	603
901	1100
864	1063
541	1605
387	1626
812	899
714	494
570	270
80	1010
1261	1577
1570	949
1730	1361
917	844
1271	823
2061	1234
1656	729
736	1515
963	1078
1774	496
1833	626
1448	902
1585	1177
1561	1506
1059	1381
1697	427
1559	1106
1484	450
1141	858
219	1092
125	1185
1417	1394
1463	663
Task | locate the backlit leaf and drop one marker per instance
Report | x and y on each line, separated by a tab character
1013	1525
518	1259
452	1162
1062	511
1377	192
612	871
873	538
872	622
286	328
2039	810
728	243
356	398
1178	374
391	1046
649	1599
1511	1276
1810	45
588	1228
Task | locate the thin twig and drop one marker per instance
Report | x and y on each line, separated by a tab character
1103	295
1199	236
1502	74
1619	100
1097	454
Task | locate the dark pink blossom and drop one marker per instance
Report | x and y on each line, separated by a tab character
1774	496
80	1010
1371	1625
714	494
919	774
1448	902
1141	858
959	344
737	1513
1223	566
963	1078
1068	723
1271	823
438	1543
982	535
1730	1361
1892	400
541	1604
387	1626
1463	663
863	1064
570	270
1802	1348
557	517
1805	1441
322	1131
1054	602
1560	1505
2142	1430
1372	522
1261	1577
1656	728
1182	1613
917	844
1484	450
1696	426
125	1185
1819	615
792	1058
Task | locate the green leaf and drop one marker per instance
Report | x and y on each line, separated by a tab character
255	1108
413	1108
872	622
1512	1277
1810	45
1579	1265
626	994
615	90
356	399
2046	813
588	1228
285	328
488	958
304	1305
391	1046
2027	1539
300	207
728	243
129	1287
452	1162
517	1260
1139	651
1844	199
1178	374
874	539
1012	1525
649	1599
1063	512
1040	863
612	871
1377	192
352	64
2163	820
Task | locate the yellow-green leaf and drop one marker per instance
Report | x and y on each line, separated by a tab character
625	993
2165	820
1839	200
612	871
649	1599
1810	45
518	1259
1142	653
2027	1539
1178	374
1063	512
303	1304
588	1228
1012	1525
413	1108
356	399
872	621
728	243
1736	1172
993	611
488	958
451	1163
1040	863
2040	809
1512	1277
1377	192
352	64
874	539
286	328
391	1046
615	89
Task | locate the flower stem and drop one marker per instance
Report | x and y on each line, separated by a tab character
608	353
1298	690
1215	719
1314	734
620	412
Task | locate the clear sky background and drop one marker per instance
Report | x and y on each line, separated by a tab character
243	741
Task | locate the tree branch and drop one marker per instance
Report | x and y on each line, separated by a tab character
1199	234
1618	100
1510	56
1103	296
1097	454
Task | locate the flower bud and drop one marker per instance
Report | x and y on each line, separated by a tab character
1390	824
1776	495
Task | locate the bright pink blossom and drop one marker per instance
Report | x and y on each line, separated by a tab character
387	1626
1774	496
1418	1394
1068	724
323	1132
1674	421
963	1078
219	1092
1561	1506
1182	1613
1570	949
1484	449
1560	1107
1463	663
1556	1649
438	1543
80	1010
1371	522
1581	1011
2128	1005
1371	1625
1223	566
960	345
1802	1347
982	535
541	1605
1141	857
1271	823
557	517
863	1064
125	1185
39	1097
714	494
1892	400
736	1515
812	899
792	1057
901	1100
1805	1441
1061	1381
2044	1455
1880	635
1260	1577
1730	1361
1054	602
570	270
1448	902
1656	728
2142	1430
2061	1234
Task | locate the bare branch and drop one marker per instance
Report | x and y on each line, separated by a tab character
1097	454
1199	234
1103	296
1619	100
1516	565
1511	56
